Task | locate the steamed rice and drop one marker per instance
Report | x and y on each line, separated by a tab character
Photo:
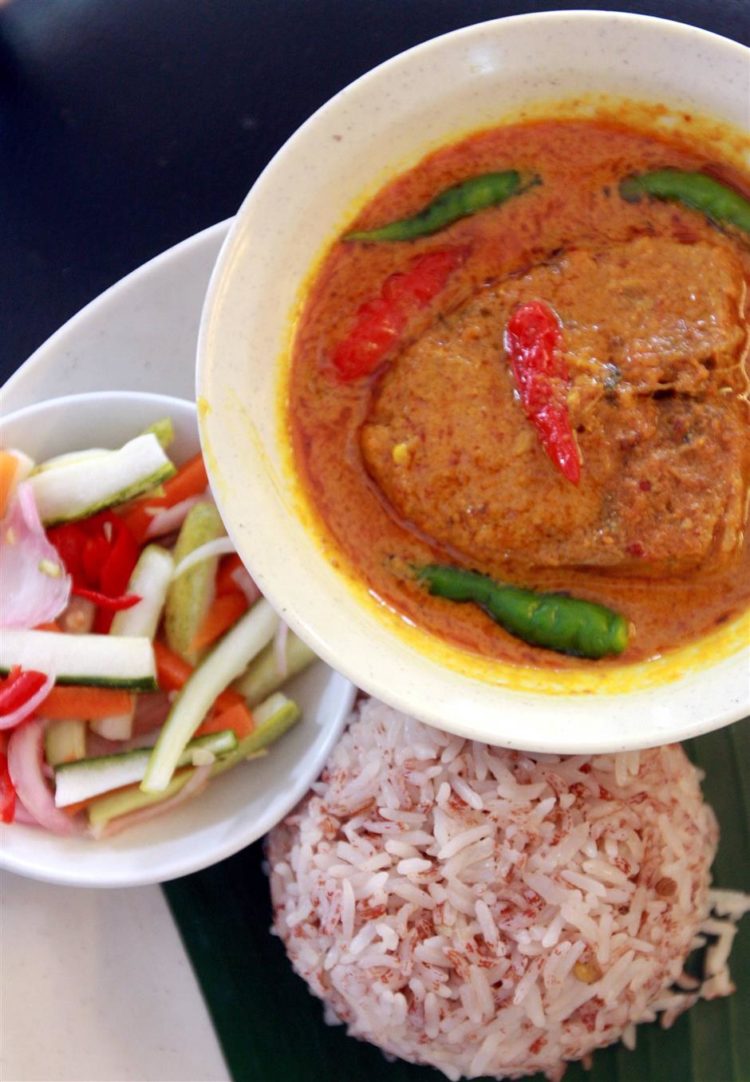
492	912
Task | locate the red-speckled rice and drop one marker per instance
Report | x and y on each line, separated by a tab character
492	912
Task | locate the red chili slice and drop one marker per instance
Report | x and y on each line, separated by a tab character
533	339
110	604
18	687
7	792
99	553
380	321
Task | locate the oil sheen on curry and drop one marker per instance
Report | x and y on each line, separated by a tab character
518	394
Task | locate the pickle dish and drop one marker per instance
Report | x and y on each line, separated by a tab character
157	714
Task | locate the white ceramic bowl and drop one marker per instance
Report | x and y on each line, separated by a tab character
240	806
376	127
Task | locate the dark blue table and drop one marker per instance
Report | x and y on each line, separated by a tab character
127	125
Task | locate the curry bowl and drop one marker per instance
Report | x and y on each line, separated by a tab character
675	82
235	809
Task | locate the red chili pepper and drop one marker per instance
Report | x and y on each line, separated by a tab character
111	604
70	541
7	792
99	553
120	560
18	687
533	339
379	322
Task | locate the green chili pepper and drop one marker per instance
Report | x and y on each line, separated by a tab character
477	193
554	621
694	190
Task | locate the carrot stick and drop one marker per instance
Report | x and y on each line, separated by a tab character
237	717
190	480
8	470
86	703
171	671
223	613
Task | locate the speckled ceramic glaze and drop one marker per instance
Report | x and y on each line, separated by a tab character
247	801
378	126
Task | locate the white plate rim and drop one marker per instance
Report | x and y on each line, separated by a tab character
32	376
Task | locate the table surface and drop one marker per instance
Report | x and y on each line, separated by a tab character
124	128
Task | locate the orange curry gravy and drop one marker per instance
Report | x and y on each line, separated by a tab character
577	207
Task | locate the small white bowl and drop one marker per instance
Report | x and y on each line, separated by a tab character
240	806
375	128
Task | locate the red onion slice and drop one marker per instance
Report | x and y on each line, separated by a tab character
23	816
9	721
169	519
36	584
25	766
241	577
220	546
151	709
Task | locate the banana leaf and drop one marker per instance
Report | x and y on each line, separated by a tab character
271	1029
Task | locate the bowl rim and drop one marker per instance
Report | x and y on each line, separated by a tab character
429	708
593	16
181	861
67	400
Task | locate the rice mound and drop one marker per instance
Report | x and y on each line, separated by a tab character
492	912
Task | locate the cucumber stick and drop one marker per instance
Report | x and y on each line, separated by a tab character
273	718
97	660
103	809
84	484
163	429
223	665
149	581
65	741
92	777
283	714
69	457
262	675
191	595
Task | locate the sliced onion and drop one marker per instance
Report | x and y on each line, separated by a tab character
195	785
36	586
99	745
9	721
25	766
22	815
151	709
168	519
220	546
279	650
241	577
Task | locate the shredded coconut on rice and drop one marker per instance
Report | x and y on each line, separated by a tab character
492	912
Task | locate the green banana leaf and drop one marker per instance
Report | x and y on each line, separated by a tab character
272	1030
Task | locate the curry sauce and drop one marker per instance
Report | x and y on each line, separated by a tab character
430	458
